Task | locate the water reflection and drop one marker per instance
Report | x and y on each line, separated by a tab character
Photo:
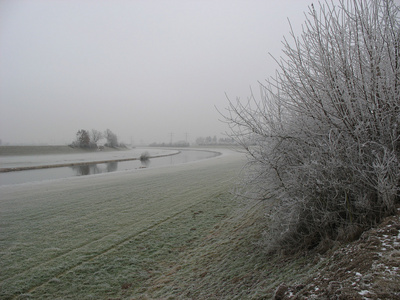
95	168
112	166
145	163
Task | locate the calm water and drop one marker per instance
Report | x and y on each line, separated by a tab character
83	170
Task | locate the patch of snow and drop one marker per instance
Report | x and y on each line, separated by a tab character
364	292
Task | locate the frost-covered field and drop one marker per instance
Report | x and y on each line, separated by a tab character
103	236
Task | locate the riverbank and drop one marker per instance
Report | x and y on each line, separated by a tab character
45	150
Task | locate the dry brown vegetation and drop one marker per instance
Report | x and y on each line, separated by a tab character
229	265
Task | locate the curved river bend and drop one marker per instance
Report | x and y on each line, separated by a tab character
36	175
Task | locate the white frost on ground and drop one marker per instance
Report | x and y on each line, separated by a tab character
51	229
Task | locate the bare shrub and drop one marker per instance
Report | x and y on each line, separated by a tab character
145	156
323	139
112	139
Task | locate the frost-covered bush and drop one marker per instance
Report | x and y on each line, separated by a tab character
323	140
144	156
112	139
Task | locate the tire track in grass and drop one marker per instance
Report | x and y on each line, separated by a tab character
80	256
52	211
114	247
87	246
102	238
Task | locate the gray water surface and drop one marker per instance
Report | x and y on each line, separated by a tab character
92	169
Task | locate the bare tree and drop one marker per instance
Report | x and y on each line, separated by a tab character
112	139
95	136
82	139
323	140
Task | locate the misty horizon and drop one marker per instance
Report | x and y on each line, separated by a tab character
144	70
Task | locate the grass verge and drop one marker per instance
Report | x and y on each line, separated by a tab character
167	233
107	236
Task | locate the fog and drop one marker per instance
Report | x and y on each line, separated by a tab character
144	69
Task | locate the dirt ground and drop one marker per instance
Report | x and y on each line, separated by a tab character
368	268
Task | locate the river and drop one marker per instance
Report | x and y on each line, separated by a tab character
35	175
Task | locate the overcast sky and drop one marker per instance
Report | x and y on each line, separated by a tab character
143	69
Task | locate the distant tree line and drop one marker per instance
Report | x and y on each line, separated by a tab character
90	139
201	141
176	144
